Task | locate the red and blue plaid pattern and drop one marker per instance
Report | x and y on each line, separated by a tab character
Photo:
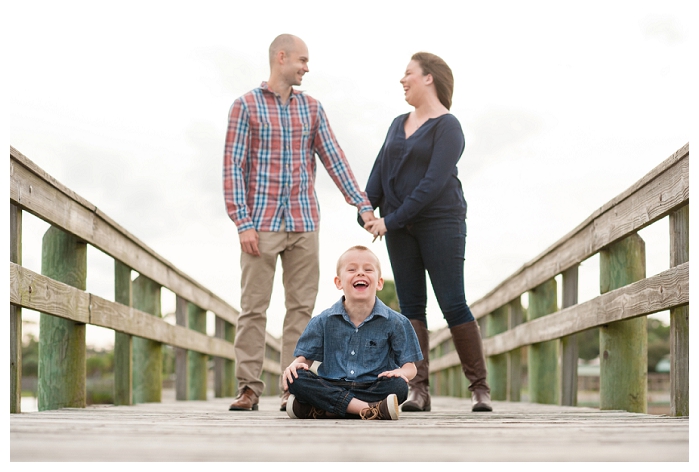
269	165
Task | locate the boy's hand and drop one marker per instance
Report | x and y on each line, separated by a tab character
290	373
394	373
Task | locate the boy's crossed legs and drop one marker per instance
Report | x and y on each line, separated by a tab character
316	397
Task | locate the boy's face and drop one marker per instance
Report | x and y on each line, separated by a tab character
359	276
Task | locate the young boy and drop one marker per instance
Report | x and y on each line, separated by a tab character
367	351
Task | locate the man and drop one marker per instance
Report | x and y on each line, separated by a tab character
274	133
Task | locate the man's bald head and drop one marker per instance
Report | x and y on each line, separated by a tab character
284	42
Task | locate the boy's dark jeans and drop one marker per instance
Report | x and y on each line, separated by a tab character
333	396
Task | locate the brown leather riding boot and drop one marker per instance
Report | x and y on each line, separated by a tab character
419	395
469	346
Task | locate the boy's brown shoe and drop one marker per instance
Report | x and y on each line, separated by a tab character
386	409
303	411
247	400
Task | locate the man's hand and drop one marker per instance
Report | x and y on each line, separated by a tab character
376	227
249	240
367	216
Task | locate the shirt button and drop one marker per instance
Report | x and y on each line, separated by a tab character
352	353
352	372
356	330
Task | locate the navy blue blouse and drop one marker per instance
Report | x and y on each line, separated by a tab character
416	178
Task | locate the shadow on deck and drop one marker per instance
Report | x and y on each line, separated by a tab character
206	431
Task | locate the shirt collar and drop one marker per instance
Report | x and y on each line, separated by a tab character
380	309
265	88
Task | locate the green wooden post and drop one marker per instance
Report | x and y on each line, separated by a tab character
181	364
15	315
543	357
147	354
497	365
569	344
123	343
62	375
679	319
623	344
224	369
196	361
514	357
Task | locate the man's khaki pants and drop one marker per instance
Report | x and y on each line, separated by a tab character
300	266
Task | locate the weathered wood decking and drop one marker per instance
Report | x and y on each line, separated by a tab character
206	431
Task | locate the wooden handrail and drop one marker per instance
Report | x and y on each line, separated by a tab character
34	191
663	191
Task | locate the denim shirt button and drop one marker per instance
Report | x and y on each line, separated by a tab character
352	372
352	352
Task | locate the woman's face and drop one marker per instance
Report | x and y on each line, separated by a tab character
414	83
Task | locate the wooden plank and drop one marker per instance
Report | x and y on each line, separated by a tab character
653	197
199	431
34	191
197	363
543	356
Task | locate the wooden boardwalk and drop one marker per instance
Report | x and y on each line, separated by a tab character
201	431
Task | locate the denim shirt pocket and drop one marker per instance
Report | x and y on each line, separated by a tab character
375	351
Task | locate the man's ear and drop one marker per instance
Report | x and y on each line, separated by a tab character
338	283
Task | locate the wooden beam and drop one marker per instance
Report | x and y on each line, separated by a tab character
679	319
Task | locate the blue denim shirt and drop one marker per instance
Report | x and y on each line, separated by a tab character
384	341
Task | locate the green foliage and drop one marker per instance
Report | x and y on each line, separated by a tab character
30	357
388	295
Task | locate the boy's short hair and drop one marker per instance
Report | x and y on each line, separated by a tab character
358	248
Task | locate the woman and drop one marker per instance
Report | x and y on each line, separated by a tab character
414	183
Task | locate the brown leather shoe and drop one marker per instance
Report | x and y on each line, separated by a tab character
247	400
304	411
386	409
285	400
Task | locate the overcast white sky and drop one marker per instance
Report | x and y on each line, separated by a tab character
564	105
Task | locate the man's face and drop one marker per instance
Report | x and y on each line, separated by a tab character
295	63
359	277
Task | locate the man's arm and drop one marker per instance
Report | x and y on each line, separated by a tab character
235	154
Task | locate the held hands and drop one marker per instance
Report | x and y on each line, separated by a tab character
377	227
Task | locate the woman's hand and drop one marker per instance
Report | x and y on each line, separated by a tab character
376	227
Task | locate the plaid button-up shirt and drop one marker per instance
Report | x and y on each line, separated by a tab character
269	165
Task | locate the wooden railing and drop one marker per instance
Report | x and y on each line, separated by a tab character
58	293
627	297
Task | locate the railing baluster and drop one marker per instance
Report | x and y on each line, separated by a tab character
62	382
514	357
543	357
15	315
224	369
623	344
497	365
679	319
569	344
123	343
197	362
181	364
147	354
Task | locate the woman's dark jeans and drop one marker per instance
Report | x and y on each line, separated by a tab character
437	246
333	396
